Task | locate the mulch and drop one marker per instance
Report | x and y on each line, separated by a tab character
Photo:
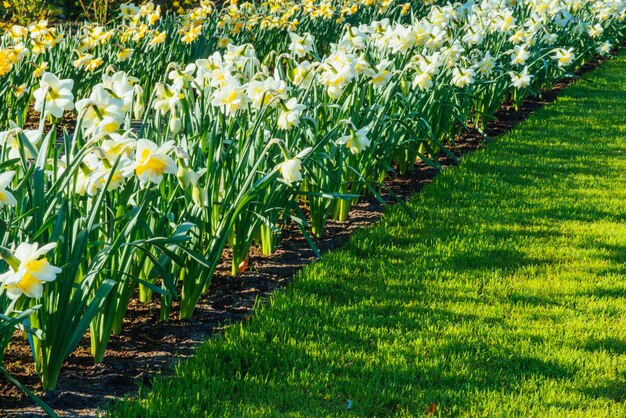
149	346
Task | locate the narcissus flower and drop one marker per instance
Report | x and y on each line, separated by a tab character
152	161
102	112
339	70
381	75
28	271
564	57
521	80
263	93
6	198
303	74
290	115
461	77
604	48
485	65
5	62
10	140
301	45
290	169
167	98
519	55
357	141
124	54
423	80
230	98
56	95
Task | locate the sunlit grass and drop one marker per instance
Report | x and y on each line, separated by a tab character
506	297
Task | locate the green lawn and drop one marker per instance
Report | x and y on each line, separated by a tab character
506	297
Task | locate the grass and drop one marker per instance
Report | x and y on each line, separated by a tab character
506	297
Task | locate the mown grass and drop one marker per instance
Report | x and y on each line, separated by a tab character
506	297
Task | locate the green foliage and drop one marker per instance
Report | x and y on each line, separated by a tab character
24	11
504	298
98	10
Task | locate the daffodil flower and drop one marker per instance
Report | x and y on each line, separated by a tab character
10	139
102	113
6	197
357	141
564	57
521	80
301	45
28	271
291	171
290	115
56	95
152	161
230	98
423	80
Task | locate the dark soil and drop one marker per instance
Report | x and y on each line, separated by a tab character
149	346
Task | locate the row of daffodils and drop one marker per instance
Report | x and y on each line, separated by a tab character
136	177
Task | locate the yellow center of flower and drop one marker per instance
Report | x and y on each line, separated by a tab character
52	94
28	283
36	265
148	162
232	97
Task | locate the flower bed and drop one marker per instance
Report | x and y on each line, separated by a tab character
186	143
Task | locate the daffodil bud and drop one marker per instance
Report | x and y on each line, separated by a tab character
175	124
186	176
199	196
404	86
138	105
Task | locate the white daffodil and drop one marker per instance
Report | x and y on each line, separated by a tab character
564	57
423	80
290	114
240	57
152	161
595	31
462	77
6	197
521	80
519	55
10	139
301	45
230	98
102	113
98	179
381	75
290	169
55	95
339	70
485	65
604	48
167	98
128	10
400	39
357	141
117	146
181	77
122	87
28	271
263	93
302	74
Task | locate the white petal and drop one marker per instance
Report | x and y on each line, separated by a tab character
5	179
